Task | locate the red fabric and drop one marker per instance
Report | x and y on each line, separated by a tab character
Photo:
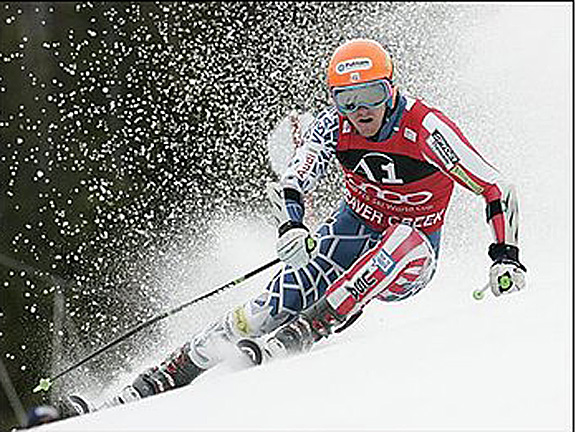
421	203
373	277
377	203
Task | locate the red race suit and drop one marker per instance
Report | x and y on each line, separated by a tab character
407	177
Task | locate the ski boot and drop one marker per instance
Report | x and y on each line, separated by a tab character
176	371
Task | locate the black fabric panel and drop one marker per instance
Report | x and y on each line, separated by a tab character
493	208
406	168
293	194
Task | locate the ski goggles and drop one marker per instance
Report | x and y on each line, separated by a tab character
370	95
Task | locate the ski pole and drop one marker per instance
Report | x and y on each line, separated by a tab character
46	383
478	294
12	396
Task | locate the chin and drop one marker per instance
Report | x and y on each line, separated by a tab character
368	132
366	129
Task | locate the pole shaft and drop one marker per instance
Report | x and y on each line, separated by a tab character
165	315
12	395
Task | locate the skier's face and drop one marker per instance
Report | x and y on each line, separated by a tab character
367	121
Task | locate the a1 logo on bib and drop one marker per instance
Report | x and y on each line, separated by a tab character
378	168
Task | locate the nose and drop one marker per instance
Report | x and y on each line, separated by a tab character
362	110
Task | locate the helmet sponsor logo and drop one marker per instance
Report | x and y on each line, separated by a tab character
353	65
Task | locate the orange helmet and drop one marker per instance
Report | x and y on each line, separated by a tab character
359	61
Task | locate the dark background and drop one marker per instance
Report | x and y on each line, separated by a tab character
122	125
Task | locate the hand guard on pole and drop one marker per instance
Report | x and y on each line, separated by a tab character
296	246
507	274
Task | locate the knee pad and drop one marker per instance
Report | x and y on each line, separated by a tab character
399	265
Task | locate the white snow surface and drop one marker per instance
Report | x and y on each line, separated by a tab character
439	361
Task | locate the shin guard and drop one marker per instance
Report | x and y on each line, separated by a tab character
399	266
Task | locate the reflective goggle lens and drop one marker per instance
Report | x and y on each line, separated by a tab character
371	95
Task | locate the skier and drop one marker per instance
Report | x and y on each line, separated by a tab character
400	159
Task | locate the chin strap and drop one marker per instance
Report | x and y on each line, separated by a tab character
393	101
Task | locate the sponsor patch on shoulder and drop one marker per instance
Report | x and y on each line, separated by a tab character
411	135
346	128
442	149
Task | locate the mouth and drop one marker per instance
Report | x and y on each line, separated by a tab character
365	120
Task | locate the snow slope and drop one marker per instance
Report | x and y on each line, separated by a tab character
440	361
490	366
